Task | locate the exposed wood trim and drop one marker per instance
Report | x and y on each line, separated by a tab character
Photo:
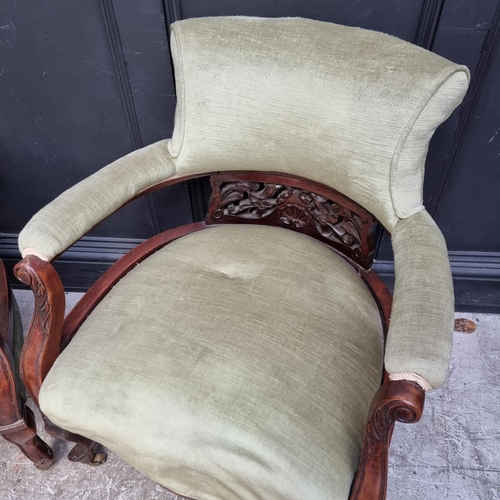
428	23
126	95
490	44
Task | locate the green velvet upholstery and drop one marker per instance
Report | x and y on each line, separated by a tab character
350	108
420	334
240	361
76	211
237	362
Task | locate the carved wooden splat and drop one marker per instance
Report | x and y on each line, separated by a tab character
295	203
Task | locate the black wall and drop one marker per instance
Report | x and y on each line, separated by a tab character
83	83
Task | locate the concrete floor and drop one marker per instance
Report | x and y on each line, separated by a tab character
452	453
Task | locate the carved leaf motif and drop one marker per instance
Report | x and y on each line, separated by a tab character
298	208
252	200
333	220
234	192
350	228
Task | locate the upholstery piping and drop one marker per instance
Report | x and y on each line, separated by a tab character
181	94
404	137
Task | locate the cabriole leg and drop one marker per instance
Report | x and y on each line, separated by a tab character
84	450
23	434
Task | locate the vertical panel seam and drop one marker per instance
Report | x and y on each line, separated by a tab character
127	98
427	28
428	23
477	82
173	12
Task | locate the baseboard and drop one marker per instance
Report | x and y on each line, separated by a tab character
476	278
80	266
476	275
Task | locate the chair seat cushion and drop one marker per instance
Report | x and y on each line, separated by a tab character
237	362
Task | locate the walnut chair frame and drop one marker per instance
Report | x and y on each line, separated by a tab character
354	112
17	422
238	198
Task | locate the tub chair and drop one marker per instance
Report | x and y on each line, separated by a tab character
254	355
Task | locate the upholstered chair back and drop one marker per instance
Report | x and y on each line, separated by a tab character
346	107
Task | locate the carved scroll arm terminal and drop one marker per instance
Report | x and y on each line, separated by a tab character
395	401
41	346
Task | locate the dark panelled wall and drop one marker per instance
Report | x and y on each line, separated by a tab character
83	83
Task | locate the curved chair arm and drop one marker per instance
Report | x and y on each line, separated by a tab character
41	347
395	401
419	340
66	219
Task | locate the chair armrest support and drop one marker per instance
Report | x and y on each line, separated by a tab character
420	334
72	214
395	401
41	346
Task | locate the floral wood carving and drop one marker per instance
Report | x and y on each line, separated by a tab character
295	205
255	200
396	401
292	215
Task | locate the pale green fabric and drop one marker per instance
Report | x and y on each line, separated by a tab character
407	174
238	362
350	108
66	219
420	333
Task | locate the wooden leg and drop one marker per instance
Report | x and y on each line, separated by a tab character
25	437
84	449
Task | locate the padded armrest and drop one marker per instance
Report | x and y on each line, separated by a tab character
420	334
72	214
